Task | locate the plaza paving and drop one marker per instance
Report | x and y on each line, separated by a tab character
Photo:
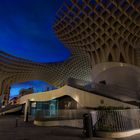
9	130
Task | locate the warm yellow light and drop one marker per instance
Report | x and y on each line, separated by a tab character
32	99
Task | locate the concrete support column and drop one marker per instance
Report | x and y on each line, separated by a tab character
26	110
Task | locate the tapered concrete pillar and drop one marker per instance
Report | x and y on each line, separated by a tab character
26	110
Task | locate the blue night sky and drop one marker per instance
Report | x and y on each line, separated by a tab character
37	85
26	30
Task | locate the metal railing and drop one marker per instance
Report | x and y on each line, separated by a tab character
10	108
105	89
115	120
44	115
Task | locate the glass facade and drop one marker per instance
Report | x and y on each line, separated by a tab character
50	106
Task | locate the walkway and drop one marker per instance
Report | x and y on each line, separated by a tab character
27	131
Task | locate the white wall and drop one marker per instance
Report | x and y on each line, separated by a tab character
84	98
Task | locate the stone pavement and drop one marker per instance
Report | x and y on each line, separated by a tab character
10	130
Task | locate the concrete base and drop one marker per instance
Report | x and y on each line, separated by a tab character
118	134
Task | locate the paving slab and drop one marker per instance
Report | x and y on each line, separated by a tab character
12	130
